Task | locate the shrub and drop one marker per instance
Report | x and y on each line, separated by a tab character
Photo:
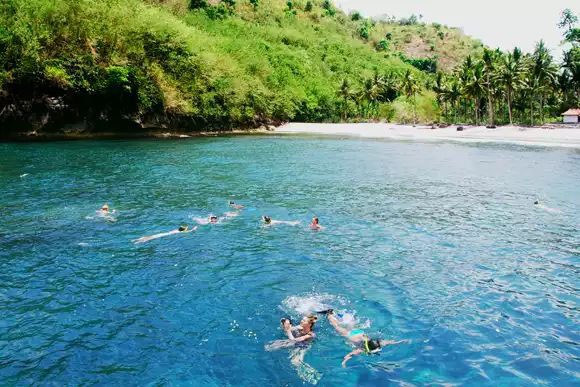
309	6
328	7
383	45
355	16
57	76
197	4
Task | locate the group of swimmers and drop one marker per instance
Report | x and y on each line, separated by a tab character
298	336
301	335
106	212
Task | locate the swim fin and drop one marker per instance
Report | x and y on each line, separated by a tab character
325	312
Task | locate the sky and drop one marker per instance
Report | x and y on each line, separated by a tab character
497	23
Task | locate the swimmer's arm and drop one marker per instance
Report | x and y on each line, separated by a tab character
349	356
384	343
309	336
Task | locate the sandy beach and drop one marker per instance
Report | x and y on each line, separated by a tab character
559	137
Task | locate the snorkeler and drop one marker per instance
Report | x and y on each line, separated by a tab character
182	229
358	338
315	224
105	210
235	205
268	221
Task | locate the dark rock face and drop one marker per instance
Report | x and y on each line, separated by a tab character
29	116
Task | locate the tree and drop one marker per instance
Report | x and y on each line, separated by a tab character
544	72
489	67
509	76
568	20
410	87
475	86
345	93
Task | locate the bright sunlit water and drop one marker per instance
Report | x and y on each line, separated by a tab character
437	243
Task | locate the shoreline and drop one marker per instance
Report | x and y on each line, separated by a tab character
566	137
536	136
49	137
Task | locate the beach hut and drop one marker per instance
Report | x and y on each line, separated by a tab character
572	116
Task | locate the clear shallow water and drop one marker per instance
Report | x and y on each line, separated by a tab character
436	243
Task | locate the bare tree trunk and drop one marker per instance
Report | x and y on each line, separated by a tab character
476	112
509	97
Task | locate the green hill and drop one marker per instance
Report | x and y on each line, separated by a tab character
134	64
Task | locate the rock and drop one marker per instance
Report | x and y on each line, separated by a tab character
460	128
491	127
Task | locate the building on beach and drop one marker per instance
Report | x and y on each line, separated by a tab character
571	116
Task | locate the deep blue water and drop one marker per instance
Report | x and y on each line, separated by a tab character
436	243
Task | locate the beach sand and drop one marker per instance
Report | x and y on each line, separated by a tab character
560	137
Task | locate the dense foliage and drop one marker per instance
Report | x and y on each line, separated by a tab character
239	63
513	87
218	63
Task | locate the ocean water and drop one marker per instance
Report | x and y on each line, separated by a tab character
439	244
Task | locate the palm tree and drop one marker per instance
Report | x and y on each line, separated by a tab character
489	67
510	77
440	88
410	87
453	95
346	93
464	75
544	71
370	94
475	87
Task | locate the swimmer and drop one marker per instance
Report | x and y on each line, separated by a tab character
315	225
358	338
181	230
235	205
298	338
213	219
268	221
537	202
105	210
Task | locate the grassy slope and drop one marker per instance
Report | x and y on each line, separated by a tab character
449	45
156	57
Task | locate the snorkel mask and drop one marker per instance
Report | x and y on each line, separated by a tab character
372	346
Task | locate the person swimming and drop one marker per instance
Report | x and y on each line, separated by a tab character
213	219
315	224
537	202
235	205
299	338
268	221
182	229
358	338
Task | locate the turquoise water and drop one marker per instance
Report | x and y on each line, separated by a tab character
436	243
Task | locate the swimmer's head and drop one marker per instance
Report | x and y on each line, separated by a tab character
105	207
309	321
213	219
267	219
182	228
232	203
537	202
372	345
315	220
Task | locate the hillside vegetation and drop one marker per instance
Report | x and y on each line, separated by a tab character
200	65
